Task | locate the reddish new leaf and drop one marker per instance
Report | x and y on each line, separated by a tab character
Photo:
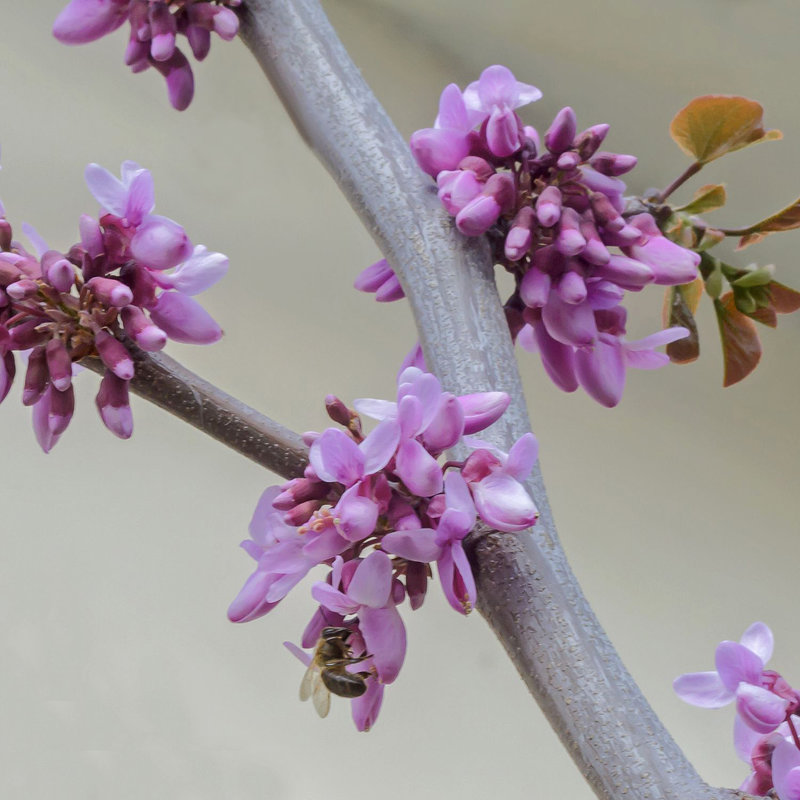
766	316
784	220
713	125
783	299
741	347
680	303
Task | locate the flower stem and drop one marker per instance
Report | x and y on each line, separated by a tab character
691	170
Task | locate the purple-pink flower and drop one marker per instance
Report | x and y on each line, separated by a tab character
154	29
379	510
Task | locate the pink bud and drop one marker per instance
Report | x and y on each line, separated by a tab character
535	288
587	142
162	32
58	272
613	164
22	289
147	335
36	377
111	292
561	133
62	407
548	206
114	406
114	355
502	187
59	364
478	216
570	241
160	243
571	288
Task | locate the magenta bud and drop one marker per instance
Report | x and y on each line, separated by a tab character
589	141
502	132
147	335
502	187
162	32
478	216
571	288
199	40
613	164
374	276
58	272
390	291
91	236
301	513
627	236
480	166
299	490
114	406
59	364
25	335
626	272
9	273
111	292
114	355
62	407
226	23
22	289
605	213
36	377
6	234
337	410
416	583
595	251
518	242
532	142
535	288
568	161
548	206
8	369
570	241
561	133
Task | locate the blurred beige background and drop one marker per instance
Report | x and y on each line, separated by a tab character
120	676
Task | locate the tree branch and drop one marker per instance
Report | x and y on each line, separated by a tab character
169	385
527	592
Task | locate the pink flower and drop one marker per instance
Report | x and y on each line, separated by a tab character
786	771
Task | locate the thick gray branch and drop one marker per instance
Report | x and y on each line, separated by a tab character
526	590
163	381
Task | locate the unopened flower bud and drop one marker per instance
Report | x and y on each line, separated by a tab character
518	240
570	241
62	407
58	272
36	377
111	292
588	142
501	186
338	411
595	251
535	288
548	206
147	335
568	161
301	513
5	234
114	355
561	133
605	213
25	335
478	215
162	30
114	406
160	243
571	288
480	167
59	364
22	289
613	164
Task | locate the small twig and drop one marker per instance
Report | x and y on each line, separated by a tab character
171	386
691	170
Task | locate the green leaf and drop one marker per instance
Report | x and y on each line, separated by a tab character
714	125
784	220
680	303
706	198
741	347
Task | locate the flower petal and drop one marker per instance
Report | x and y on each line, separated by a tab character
385	637
184	319
336	458
704	689
419	545
758	638
736	663
372	581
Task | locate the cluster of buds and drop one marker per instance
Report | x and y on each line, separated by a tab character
380	510
155	25
132	271
556	218
766	726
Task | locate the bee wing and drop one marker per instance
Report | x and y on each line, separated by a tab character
321	697
307	685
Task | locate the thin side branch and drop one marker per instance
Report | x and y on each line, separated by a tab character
526	590
171	386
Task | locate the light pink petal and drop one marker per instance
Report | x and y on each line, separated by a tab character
267	525
184	319
37	240
336	458
141	198
478	215
283	584
160	243
201	271
304	657
497	86
759	708
427	390
409	416
372	581
569	324
658	338
786	771
457	580
671	263
180	81
86	20
457	494
535	288
447	425
744	739
107	190
436	150
601	370
644	359
419	545
251	603
357	515
374	276
522	457
41	426
482	409
385	637
327	544
703	689
377	409
365	709
333	599
758	638
503	503
379	447
558	359
418	469
735	663
452	110
502	132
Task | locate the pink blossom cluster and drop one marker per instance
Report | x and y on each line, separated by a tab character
379	510
766	728
155	26
556	217
132	271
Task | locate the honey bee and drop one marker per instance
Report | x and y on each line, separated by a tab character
326	673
